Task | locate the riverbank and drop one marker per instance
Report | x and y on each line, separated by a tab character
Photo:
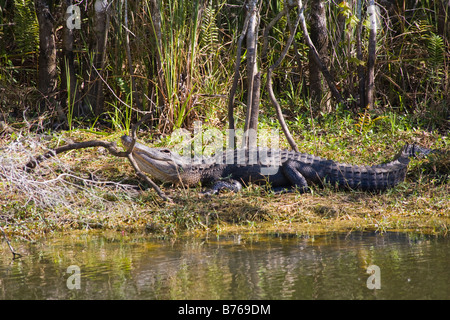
91	189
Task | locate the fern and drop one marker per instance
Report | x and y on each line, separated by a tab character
435	51
209	37
26	29
365	122
435	60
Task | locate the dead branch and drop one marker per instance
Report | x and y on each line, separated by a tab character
139	173
272	23
15	254
288	6
269	80
111	147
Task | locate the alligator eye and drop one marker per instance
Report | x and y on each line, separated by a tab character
165	150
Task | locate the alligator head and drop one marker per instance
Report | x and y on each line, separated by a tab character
412	151
160	163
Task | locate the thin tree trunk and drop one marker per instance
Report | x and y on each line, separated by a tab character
323	68
135	97
255	105
47	71
68	76
443	19
95	93
319	36
156	28
128	50
293	31
253	77
359	56
370	84
231	127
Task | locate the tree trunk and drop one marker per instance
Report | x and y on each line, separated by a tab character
359	56
231	127
47	71
322	67
319	37
253	77
95	92
370	80
68	76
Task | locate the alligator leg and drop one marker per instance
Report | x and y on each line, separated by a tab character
232	185
291	170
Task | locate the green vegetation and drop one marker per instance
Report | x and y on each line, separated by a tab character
175	59
97	191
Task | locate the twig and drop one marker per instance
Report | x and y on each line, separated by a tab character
282	13
143	176
129	153
10	246
116	96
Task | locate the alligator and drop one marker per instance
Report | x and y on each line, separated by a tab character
282	169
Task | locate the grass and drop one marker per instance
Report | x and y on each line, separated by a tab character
98	191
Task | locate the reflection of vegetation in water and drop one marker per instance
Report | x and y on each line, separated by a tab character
239	267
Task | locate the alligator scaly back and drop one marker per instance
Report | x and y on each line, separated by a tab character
279	168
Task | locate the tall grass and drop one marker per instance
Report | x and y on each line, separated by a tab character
70	96
180	26
197	51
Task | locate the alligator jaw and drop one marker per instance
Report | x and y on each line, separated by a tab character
159	163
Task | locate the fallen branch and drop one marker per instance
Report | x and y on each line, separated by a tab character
111	147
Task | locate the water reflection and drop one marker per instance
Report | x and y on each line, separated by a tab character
236	267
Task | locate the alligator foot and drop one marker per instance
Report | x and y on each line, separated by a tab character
231	185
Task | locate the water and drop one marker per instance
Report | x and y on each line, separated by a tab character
333	266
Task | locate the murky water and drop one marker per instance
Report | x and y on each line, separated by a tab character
113	266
